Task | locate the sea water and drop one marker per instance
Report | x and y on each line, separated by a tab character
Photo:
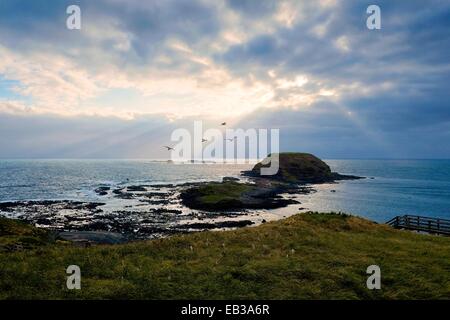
392	187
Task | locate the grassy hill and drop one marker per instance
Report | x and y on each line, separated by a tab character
307	256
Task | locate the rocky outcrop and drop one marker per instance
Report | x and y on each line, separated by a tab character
218	196
299	168
295	170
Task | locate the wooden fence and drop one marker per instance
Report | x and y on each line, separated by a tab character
419	223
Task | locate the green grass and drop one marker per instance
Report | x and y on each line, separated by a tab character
16	235
215	192
307	256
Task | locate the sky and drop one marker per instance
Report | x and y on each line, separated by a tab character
137	70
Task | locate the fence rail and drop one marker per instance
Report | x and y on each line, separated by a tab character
419	223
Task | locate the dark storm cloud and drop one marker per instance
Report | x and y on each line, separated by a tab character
41	25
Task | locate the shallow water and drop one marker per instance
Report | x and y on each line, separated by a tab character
419	187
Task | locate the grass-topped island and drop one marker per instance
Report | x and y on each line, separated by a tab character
263	192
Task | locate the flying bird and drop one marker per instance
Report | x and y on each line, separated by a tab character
223	124
204	140
168	148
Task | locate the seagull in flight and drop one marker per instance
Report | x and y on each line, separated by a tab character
168	148
223	124
204	140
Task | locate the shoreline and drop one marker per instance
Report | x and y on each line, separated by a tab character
89	223
147	211
135	213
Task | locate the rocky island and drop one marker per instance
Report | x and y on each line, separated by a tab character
299	168
296	171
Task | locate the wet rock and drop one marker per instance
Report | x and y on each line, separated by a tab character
156	194
44	221
163	210
102	191
228	179
119	193
7	206
136	188
157	186
156	202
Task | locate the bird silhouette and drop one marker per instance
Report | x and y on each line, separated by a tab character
223	124
168	148
204	140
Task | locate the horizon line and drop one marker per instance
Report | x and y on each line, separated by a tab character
210	160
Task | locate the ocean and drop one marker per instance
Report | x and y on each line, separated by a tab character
392	187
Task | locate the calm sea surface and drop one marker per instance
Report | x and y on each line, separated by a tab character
399	186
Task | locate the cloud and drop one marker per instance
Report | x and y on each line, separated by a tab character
13	107
271	60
